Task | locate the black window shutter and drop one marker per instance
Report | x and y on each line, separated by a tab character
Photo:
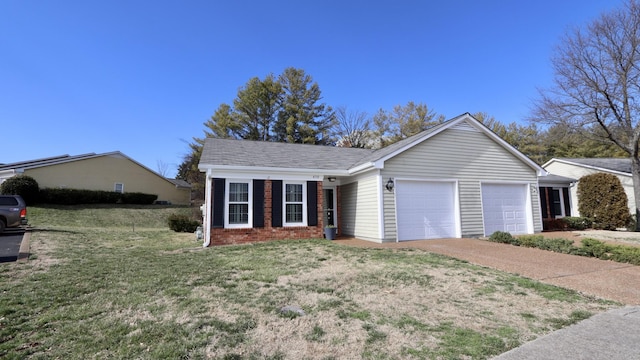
218	203
312	203
276	203
543	201
258	203
567	206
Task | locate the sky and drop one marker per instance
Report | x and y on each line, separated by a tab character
142	77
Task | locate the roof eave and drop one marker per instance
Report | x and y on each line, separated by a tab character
270	170
588	167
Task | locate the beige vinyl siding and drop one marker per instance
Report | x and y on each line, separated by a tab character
102	173
359	209
469	157
576	172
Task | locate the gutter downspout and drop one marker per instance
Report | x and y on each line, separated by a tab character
207	211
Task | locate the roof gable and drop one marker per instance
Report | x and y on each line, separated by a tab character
464	122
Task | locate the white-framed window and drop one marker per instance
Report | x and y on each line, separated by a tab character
119	188
295	203
238	198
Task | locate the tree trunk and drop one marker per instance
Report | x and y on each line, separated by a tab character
635	176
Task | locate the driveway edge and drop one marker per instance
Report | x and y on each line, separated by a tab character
23	254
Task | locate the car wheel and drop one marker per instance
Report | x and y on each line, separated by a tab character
2	226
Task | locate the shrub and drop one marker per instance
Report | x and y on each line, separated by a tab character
602	199
501	237
577	223
604	251
563	246
554	224
530	240
182	223
23	185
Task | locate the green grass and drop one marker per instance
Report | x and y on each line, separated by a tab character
98	287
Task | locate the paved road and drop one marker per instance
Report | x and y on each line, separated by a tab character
10	242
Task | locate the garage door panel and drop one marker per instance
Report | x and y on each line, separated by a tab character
425	210
504	208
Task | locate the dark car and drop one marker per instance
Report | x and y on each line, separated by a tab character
13	211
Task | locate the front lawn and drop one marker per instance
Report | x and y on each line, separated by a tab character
101	284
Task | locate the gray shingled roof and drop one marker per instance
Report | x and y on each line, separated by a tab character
614	164
179	183
279	155
284	155
44	161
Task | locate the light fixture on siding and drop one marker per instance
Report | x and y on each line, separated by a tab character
331	179
389	185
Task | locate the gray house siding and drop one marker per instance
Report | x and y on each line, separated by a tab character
360	209
470	157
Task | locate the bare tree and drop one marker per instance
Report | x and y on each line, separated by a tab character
162	167
352	128
597	83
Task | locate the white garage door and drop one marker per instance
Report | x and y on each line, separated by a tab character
504	208
425	210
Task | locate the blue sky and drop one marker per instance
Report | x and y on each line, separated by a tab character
142	77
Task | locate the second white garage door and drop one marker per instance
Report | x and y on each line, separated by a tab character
504	208
425	210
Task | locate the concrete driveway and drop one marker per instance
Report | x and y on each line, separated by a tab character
601	278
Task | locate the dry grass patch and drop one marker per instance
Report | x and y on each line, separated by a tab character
115	293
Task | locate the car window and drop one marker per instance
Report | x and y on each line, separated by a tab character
7	200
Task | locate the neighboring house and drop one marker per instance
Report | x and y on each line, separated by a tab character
577	168
111	171
457	179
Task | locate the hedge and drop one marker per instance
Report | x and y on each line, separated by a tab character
77	197
182	223
590	247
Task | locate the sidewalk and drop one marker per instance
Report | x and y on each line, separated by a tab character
613	335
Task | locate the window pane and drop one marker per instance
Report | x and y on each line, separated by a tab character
557	208
238	214
294	192
294	213
238	192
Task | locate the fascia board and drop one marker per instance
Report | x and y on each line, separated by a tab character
592	167
366	167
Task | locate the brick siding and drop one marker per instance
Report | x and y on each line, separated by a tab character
221	236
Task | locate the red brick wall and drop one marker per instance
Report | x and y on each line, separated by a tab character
221	236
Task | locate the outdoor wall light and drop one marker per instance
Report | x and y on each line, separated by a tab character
331	179
389	185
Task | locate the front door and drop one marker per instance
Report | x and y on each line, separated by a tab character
329	209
